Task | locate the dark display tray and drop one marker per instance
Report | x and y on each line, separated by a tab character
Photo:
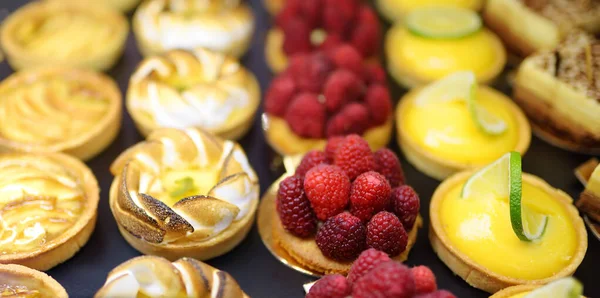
256	270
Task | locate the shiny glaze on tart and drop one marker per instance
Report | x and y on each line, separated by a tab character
20	281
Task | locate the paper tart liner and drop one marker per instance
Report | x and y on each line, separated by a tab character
18	58
32	276
438	167
477	275
70	241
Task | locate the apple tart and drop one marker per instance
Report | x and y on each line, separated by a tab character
184	193
59	110
47	208
66	34
21	281
151	276
223	26
199	88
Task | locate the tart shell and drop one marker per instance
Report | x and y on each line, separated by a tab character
479	276
48	282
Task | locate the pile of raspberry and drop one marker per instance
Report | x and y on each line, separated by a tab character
310	25
333	93
374	274
358	196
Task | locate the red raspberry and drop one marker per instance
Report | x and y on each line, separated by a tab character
306	116
279	95
338	15
341	237
388	164
379	103
374	74
336	126
438	294
405	204
367	260
294	208
331	42
290	11
341	87
389	279
327	189
354	156
332	146
310	74
309	161
297	37
311	12
366	36
347	57
352	119
424	280
370	193
330	286
386	233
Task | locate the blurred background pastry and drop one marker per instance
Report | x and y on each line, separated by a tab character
21	281
121	5
395	10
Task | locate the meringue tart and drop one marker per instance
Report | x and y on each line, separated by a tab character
528	26
151	276
184	193
395	10
473	236
65	34
48	208
559	91
121	5
21	281
59	110
203	89
222	26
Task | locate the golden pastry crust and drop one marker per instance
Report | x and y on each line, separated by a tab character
121	5
81	117
80	181
185	277
158	214
65	34
21	280
203	89
222	26
479	276
514	290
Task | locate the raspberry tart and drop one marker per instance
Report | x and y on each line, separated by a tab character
184	193
327	94
21	281
338	203
154	277
303	26
200	88
396	10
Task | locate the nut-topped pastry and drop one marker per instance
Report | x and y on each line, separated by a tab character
56	33
47	208
222	26
184	193
527	26
151	276
59	110
21	281
396	10
203	89
559	91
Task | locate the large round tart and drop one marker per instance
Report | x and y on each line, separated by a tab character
21	281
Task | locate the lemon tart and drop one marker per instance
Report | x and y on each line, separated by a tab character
48	208
559	91
203	89
59	110
184	193
151	276
121	5
436	41
21	281
395	10
528	26
222	26
518	292
439	134
65	34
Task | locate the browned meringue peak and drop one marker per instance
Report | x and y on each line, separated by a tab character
182	186
150	276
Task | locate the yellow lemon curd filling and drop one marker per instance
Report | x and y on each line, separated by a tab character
185	183
447	129
520	295
480	228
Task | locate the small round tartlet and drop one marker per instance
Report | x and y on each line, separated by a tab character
77	112
48	208
515	291
184	193
222	26
200	88
154	277
274	6
395	10
64	34
120	5
21	281
474	237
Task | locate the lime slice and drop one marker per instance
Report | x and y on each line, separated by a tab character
503	178
443	22
567	287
